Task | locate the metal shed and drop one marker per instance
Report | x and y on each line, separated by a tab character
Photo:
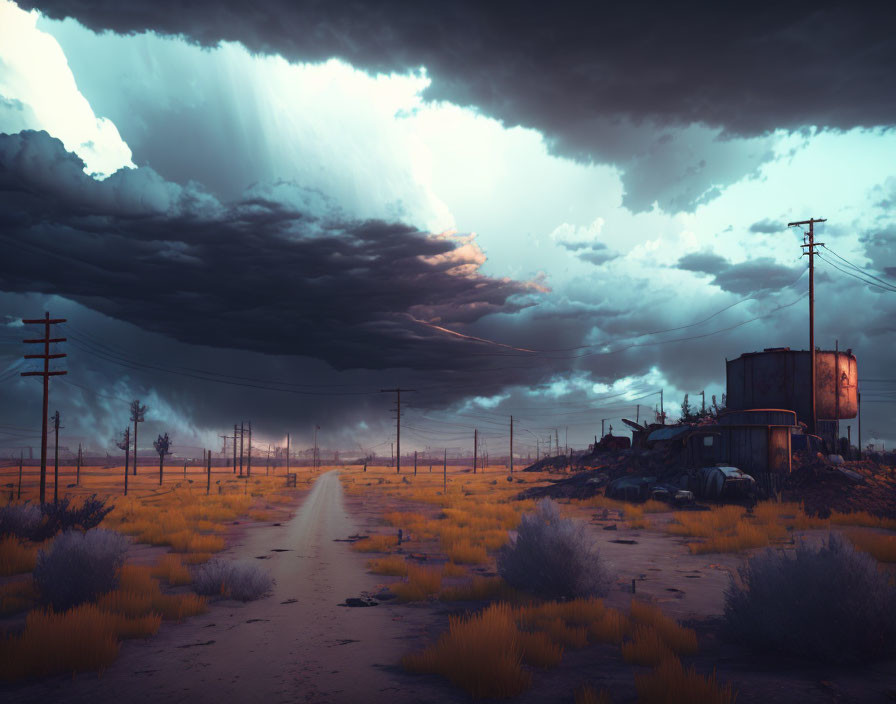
758	442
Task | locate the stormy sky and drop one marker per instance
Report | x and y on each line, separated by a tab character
543	210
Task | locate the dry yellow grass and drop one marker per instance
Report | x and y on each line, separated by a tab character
670	683
881	547
171	568
393	565
478	589
376	543
421	583
729	528
16	557
645	647
539	650
610	628
862	519
83	639
565	634
586	694
466	552
17	596
480	653
138	594
449	569
681	640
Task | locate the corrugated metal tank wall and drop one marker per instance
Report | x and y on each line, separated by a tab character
780	378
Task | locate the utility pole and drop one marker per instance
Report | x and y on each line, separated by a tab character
415	463
511	444
808	246
249	462
445	472
242	433
703	402
314	456
208	481
638	414
138	415
46	341
125	445
287	453
662	412
21	458
537	449
397	391
78	475
475	447
267	464
557	440
56	458
235	431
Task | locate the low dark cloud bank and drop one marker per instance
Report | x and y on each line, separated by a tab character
749	277
636	84
257	274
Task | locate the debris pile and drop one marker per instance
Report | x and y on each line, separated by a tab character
824	484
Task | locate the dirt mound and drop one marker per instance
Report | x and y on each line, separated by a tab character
823	486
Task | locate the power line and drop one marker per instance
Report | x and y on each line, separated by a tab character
857	268
856	276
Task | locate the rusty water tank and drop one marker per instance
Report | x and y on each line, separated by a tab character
780	378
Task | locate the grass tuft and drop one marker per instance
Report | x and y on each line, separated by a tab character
670	683
480	653
15	556
421	583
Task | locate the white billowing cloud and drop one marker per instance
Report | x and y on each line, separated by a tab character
578	234
38	92
230	119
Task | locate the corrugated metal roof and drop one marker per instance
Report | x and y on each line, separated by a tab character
672	431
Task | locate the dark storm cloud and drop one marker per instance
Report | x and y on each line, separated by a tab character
596	253
630	83
767	226
752	276
703	262
256	274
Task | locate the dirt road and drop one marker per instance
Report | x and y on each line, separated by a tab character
297	645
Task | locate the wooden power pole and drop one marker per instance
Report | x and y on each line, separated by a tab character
249	460
808	246
511	444
397	392
46	341
242	433
56	458
475	447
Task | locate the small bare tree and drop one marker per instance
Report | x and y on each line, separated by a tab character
138	415
162	446
125	444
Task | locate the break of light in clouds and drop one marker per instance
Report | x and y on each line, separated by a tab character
657	229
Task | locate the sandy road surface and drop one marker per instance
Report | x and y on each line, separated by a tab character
308	650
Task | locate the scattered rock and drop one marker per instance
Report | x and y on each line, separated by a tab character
623	541
354	601
195	645
611	527
280	550
349	539
289	601
384	595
